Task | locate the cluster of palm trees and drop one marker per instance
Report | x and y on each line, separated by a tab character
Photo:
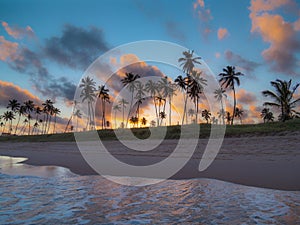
29	111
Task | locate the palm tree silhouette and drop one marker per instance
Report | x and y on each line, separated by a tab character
144	121
196	88
29	107
152	88
8	115
228	117
88	94
130	81
182	83
47	109
37	111
228	79
21	111
162	116
140	94
283	98
267	115
56	112
239	113
123	102
78	116
116	108
188	62
206	115
104	96
219	94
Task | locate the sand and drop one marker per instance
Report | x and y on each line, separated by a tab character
267	162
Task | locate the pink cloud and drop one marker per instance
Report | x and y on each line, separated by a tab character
8	49
199	3
218	55
222	33
18	32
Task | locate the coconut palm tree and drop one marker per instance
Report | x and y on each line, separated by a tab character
88	93
206	115
283	98
14	105
220	93
116	108
123	103
29	107
47	109
23	129
140	96
160	102
162	116
56	111
20	112
182	83
130	82
188	62
152	88
78	115
37	111
196	88
239	113
267	115
230	78
8	116
133	120
104	96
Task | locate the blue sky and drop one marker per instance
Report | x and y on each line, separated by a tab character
258	37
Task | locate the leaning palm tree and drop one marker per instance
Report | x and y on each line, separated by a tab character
206	115
188	62
267	115
88	89
29	106
230	78
116	108
283	98
220	93
130	82
123	103
104	96
21	112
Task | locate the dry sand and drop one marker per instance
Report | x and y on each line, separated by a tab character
269	162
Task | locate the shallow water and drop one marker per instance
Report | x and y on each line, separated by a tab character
48	195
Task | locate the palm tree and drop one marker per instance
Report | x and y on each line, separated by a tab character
8	115
29	107
78	116
283	98
71	116
191	113
140	94
133	120
47	109
182	83
35	127
219	94
37	111
196	88
152	88
123	102
160	101
56	112
104	96
88	94
188	62
23	129
144	121
222	114
206	115
228	117
20	112
130	81
162	116
116	108
267	115
230	78
239	113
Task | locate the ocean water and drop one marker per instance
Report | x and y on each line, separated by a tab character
54	195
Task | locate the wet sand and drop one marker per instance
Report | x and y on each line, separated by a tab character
268	162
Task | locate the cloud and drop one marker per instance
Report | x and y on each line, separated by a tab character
77	47
246	98
218	55
237	60
204	15
281	35
174	31
18	32
222	33
9	90
199	3
8	49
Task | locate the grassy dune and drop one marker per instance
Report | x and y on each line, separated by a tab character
173	132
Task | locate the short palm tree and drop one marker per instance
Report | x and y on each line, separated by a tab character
283	98
220	93
206	115
144	121
230	78
267	115
239	113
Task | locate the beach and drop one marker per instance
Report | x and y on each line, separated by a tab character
259	161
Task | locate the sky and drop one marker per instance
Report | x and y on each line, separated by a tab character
45	46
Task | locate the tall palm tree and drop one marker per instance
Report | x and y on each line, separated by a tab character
140	96
182	83
130	82
20	112
123	103
160	102
230	78
152	88
88	94
29	106
220	93
267	115
104	96
8	116
239	113
116	108
56	111
71	116
206	115
188	62
283	97
195	88
47	108
37	111
23	129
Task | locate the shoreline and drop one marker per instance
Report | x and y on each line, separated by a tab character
266	162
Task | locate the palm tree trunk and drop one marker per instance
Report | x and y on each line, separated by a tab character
234	105
54	123
155	106
222	107
184	110
68	123
129	109
17	123
170	110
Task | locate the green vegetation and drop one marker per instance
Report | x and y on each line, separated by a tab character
173	132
